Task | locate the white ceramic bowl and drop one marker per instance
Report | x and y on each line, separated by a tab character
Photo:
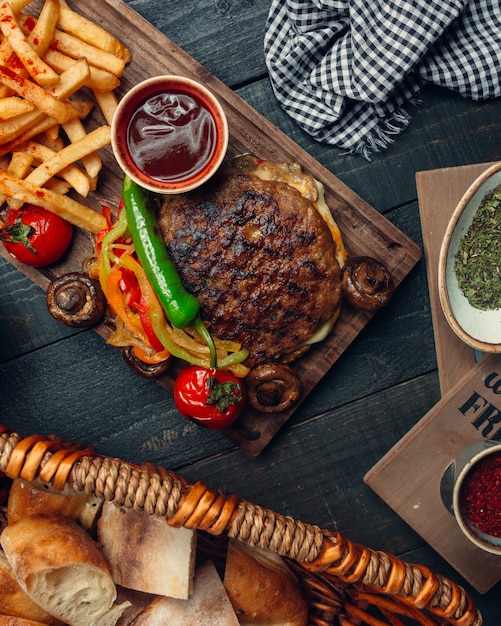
169	134
477	328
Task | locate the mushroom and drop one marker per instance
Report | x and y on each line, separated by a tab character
141	368
76	299
367	283
272	387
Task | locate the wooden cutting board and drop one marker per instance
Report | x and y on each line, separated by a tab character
439	191
365	231
408	477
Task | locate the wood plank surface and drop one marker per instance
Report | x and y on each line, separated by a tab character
365	231
54	380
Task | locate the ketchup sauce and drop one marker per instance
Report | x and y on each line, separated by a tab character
171	136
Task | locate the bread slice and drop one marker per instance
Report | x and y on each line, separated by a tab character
138	602
262	588
14	602
146	554
37	497
62	569
10	620
208	606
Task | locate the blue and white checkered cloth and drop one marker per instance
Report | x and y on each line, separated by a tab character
345	69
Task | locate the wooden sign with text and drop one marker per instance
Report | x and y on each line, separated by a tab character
408	477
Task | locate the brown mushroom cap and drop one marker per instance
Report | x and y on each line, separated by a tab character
367	283
272	387
141	368
76	299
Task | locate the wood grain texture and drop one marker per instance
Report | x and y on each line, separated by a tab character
408	477
378	389
436	439
439	192
225	36
365	231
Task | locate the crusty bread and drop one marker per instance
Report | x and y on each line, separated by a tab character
62	569
15	602
137	600
262	588
208	606
145	553
37	497
11	620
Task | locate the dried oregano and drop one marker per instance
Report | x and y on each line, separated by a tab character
478	259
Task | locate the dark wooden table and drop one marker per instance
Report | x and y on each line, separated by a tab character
55	380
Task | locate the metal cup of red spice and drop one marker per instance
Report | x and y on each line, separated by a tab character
477	496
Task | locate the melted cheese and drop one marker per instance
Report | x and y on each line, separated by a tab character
292	174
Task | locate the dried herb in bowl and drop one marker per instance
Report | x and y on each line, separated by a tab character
478	259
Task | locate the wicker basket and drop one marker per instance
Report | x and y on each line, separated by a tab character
345	583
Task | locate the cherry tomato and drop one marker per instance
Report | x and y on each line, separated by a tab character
35	236
212	398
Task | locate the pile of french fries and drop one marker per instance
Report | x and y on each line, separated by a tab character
54	69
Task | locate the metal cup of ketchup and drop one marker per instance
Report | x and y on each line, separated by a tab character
169	134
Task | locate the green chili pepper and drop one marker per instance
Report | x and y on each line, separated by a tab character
181	307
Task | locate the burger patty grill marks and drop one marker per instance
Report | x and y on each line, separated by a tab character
259	258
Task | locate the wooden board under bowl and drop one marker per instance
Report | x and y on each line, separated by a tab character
439	192
408	477
365	231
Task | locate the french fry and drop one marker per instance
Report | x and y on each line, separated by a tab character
42	34
53	144
18	5
74	212
99	78
5	92
52	133
31	130
15	126
70	81
43	154
8	58
44	61
37	95
67	156
58	185
75	24
41	73
76	48
93	163
30	124
19	166
108	103
12	106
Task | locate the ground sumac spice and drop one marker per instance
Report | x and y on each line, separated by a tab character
480	497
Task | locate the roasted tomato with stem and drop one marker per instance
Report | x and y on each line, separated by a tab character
213	398
35	236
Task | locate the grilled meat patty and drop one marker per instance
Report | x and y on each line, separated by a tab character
259	258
